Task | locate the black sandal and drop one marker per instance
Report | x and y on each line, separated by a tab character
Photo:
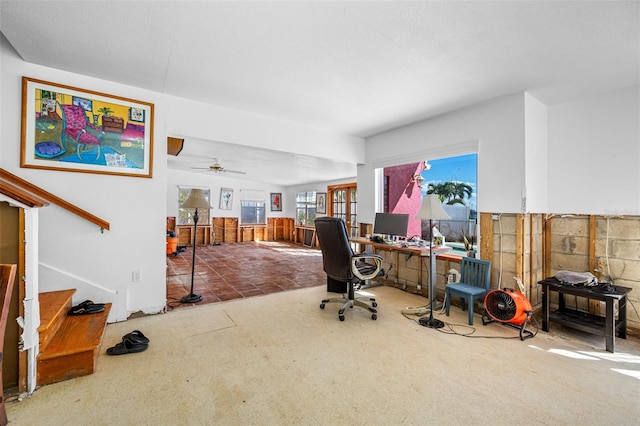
127	347
136	336
86	307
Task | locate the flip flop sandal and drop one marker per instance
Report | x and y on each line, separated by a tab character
136	336
127	347
83	304
87	307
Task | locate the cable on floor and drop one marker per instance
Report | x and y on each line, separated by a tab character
449	328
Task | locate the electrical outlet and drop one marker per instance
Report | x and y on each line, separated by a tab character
136	276
495	217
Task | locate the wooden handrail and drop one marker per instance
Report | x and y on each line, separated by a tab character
20	189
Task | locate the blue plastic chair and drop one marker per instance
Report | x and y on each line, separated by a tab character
475	279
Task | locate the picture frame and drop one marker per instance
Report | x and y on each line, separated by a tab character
70	129
321	202
226	198
276	201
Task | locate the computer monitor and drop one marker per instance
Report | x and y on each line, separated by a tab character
393	224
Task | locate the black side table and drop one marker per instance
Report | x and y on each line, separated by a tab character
594	324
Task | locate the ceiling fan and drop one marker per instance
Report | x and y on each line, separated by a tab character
216	167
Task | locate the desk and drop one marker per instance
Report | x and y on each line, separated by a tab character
583	321
421	251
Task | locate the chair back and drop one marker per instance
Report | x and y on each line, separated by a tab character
336	250
475	272
74	116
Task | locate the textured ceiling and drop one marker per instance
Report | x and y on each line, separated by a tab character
355	68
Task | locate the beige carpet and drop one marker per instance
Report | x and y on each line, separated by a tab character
280	360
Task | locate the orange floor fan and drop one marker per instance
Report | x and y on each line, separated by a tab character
510	308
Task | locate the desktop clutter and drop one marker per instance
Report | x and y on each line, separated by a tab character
415	241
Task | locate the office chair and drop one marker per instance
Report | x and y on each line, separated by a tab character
475	279
341	264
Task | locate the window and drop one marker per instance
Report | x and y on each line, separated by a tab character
305	208
252	212
185	216
452	179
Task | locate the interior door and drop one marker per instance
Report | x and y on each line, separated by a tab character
344	204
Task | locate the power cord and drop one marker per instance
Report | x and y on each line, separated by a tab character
449	328
173	303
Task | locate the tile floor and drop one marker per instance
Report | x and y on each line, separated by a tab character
235	270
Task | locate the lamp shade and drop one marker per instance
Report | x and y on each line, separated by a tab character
432	209
196	200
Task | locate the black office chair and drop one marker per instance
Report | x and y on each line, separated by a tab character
343	265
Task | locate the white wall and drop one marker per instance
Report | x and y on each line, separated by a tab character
495	129
577	157
73	252
594	154
536	149
210	122
215	182
310	187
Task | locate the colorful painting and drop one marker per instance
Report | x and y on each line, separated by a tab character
276	201
70	129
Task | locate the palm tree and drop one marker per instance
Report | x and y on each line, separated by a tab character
442	190
451	192
460	191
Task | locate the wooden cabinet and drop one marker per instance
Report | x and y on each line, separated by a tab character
112	124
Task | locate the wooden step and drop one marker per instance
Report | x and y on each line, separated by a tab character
74	349
54	306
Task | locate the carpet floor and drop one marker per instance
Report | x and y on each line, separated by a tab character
279	359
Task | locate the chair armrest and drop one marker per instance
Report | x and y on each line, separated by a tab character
377	260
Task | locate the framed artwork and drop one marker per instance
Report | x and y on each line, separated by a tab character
86	104
136	114
321	202
70	129
226	198
276	201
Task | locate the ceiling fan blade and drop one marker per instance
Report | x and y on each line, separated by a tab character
234	171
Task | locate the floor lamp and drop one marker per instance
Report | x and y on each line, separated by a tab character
431	209
196	200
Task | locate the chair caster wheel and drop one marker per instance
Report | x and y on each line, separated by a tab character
322	306
374	304
374	317
341	317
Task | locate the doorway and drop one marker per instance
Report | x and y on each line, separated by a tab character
343	203
10	253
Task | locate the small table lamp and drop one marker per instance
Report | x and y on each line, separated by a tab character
431	209
196	200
